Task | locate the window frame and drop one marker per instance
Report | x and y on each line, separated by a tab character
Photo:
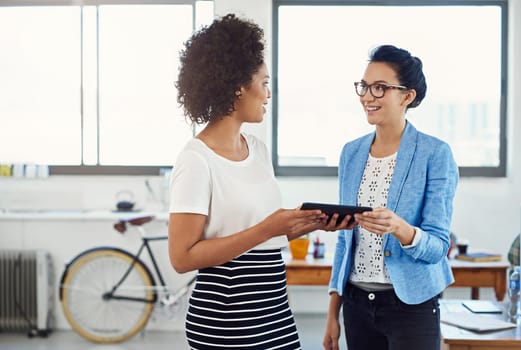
98	169
464	171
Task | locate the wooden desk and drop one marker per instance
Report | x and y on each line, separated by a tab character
314	272
454	338
466	274
480	274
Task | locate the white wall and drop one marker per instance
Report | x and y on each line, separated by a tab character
487	210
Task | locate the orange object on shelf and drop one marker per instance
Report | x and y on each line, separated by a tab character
299	248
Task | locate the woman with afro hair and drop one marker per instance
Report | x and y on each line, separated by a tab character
225	216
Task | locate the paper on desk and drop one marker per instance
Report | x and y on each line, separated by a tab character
475	322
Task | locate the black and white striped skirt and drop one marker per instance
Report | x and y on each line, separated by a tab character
242	304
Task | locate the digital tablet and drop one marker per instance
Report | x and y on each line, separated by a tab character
482	306
331	209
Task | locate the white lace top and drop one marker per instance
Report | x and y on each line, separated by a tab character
368	266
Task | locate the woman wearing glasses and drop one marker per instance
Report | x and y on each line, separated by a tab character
390	265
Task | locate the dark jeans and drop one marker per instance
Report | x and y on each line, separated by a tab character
380	321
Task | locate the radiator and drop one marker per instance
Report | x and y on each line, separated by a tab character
26	291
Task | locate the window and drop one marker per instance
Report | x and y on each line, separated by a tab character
320	50
94	92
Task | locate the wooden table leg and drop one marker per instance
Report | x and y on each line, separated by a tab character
501	286
474	293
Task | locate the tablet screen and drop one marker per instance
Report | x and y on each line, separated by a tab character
331	209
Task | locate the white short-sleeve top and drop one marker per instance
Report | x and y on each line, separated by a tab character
235	195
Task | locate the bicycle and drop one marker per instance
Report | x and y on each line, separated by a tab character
108	294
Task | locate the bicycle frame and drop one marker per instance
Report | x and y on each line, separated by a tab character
144	245
102	274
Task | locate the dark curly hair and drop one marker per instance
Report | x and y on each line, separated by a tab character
408	68
215	63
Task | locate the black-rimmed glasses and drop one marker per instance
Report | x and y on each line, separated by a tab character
377	89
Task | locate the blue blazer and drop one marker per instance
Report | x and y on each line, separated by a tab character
421	192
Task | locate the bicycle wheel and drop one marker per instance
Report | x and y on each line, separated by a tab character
86	281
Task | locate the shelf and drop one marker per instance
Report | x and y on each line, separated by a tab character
76	214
